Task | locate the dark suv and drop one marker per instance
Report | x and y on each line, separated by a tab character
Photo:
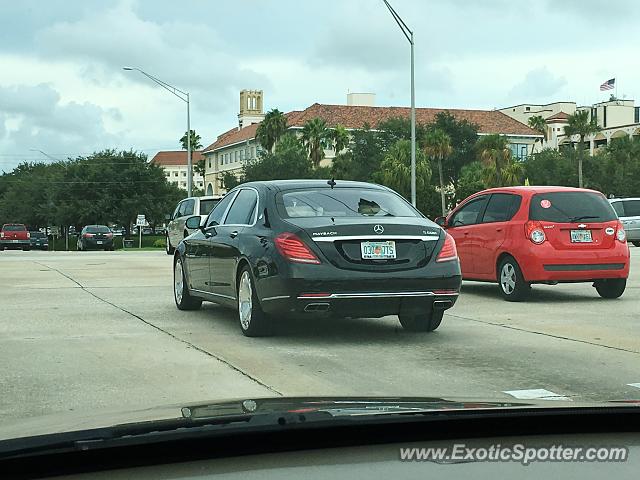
39	240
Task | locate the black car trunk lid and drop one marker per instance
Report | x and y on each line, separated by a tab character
340	240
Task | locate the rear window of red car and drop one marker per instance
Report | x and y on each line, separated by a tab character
570	207
14	228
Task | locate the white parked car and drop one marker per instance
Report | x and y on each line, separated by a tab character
628	210
176	229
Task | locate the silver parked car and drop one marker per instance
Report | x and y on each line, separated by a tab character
628	210
176	229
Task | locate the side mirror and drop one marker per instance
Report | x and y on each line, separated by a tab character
167	216
442	221
193	222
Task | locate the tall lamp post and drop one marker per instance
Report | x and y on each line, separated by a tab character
409	35
184	96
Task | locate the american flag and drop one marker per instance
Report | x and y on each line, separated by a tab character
608	85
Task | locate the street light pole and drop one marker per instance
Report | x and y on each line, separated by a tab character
184	96
189	164
409	35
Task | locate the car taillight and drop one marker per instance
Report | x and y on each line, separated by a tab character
294	249
621	235
1	234
534	232
88	235
448	251
28	235
108	235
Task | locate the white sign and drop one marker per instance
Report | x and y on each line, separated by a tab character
141	221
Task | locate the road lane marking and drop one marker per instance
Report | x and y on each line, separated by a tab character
637	385
536	394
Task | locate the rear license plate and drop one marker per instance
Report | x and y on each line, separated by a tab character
581	236
99	242
378	250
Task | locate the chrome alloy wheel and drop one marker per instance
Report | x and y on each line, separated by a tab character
245	300
178	281
508	278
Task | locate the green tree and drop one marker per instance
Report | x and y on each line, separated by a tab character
550	167
106	187
195	141
463	137
395	170
362	159
579	124
539	124
399	128
316	137
229	180
340	138
471	180
494	152
288	160
200	167
271	129
438	147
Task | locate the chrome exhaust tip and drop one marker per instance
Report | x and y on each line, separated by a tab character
317	307
442	304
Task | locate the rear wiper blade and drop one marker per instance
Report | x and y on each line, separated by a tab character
582	217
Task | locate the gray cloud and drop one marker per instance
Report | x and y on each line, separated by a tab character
540	84
43	122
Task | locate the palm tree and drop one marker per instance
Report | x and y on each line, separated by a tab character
579	124
340	138
271	129
539	124
395	169
316	137
493	150
438	145
195	141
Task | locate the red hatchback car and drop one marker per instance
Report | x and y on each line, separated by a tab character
517	236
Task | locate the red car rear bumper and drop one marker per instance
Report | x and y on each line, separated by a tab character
543	263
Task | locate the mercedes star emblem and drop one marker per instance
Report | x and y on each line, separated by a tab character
379	229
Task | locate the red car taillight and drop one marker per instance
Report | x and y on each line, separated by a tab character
1	234
28	235
108	235
621	235
294	249
534	232
448	251
88	235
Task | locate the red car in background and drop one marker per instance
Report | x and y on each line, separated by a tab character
517	236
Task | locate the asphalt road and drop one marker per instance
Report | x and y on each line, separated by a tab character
99	330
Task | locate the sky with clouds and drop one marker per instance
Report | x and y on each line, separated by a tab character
63	90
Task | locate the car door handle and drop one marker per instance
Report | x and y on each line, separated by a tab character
234	234
498	229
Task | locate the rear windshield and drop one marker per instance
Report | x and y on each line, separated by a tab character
343	202
569	207
98	229
207	205
14	228
37	235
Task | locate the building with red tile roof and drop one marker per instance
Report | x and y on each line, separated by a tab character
174	164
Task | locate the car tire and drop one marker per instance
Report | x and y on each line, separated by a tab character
610	287
184	300
168	248
636	243
511	282
26	249
424	322
252	319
